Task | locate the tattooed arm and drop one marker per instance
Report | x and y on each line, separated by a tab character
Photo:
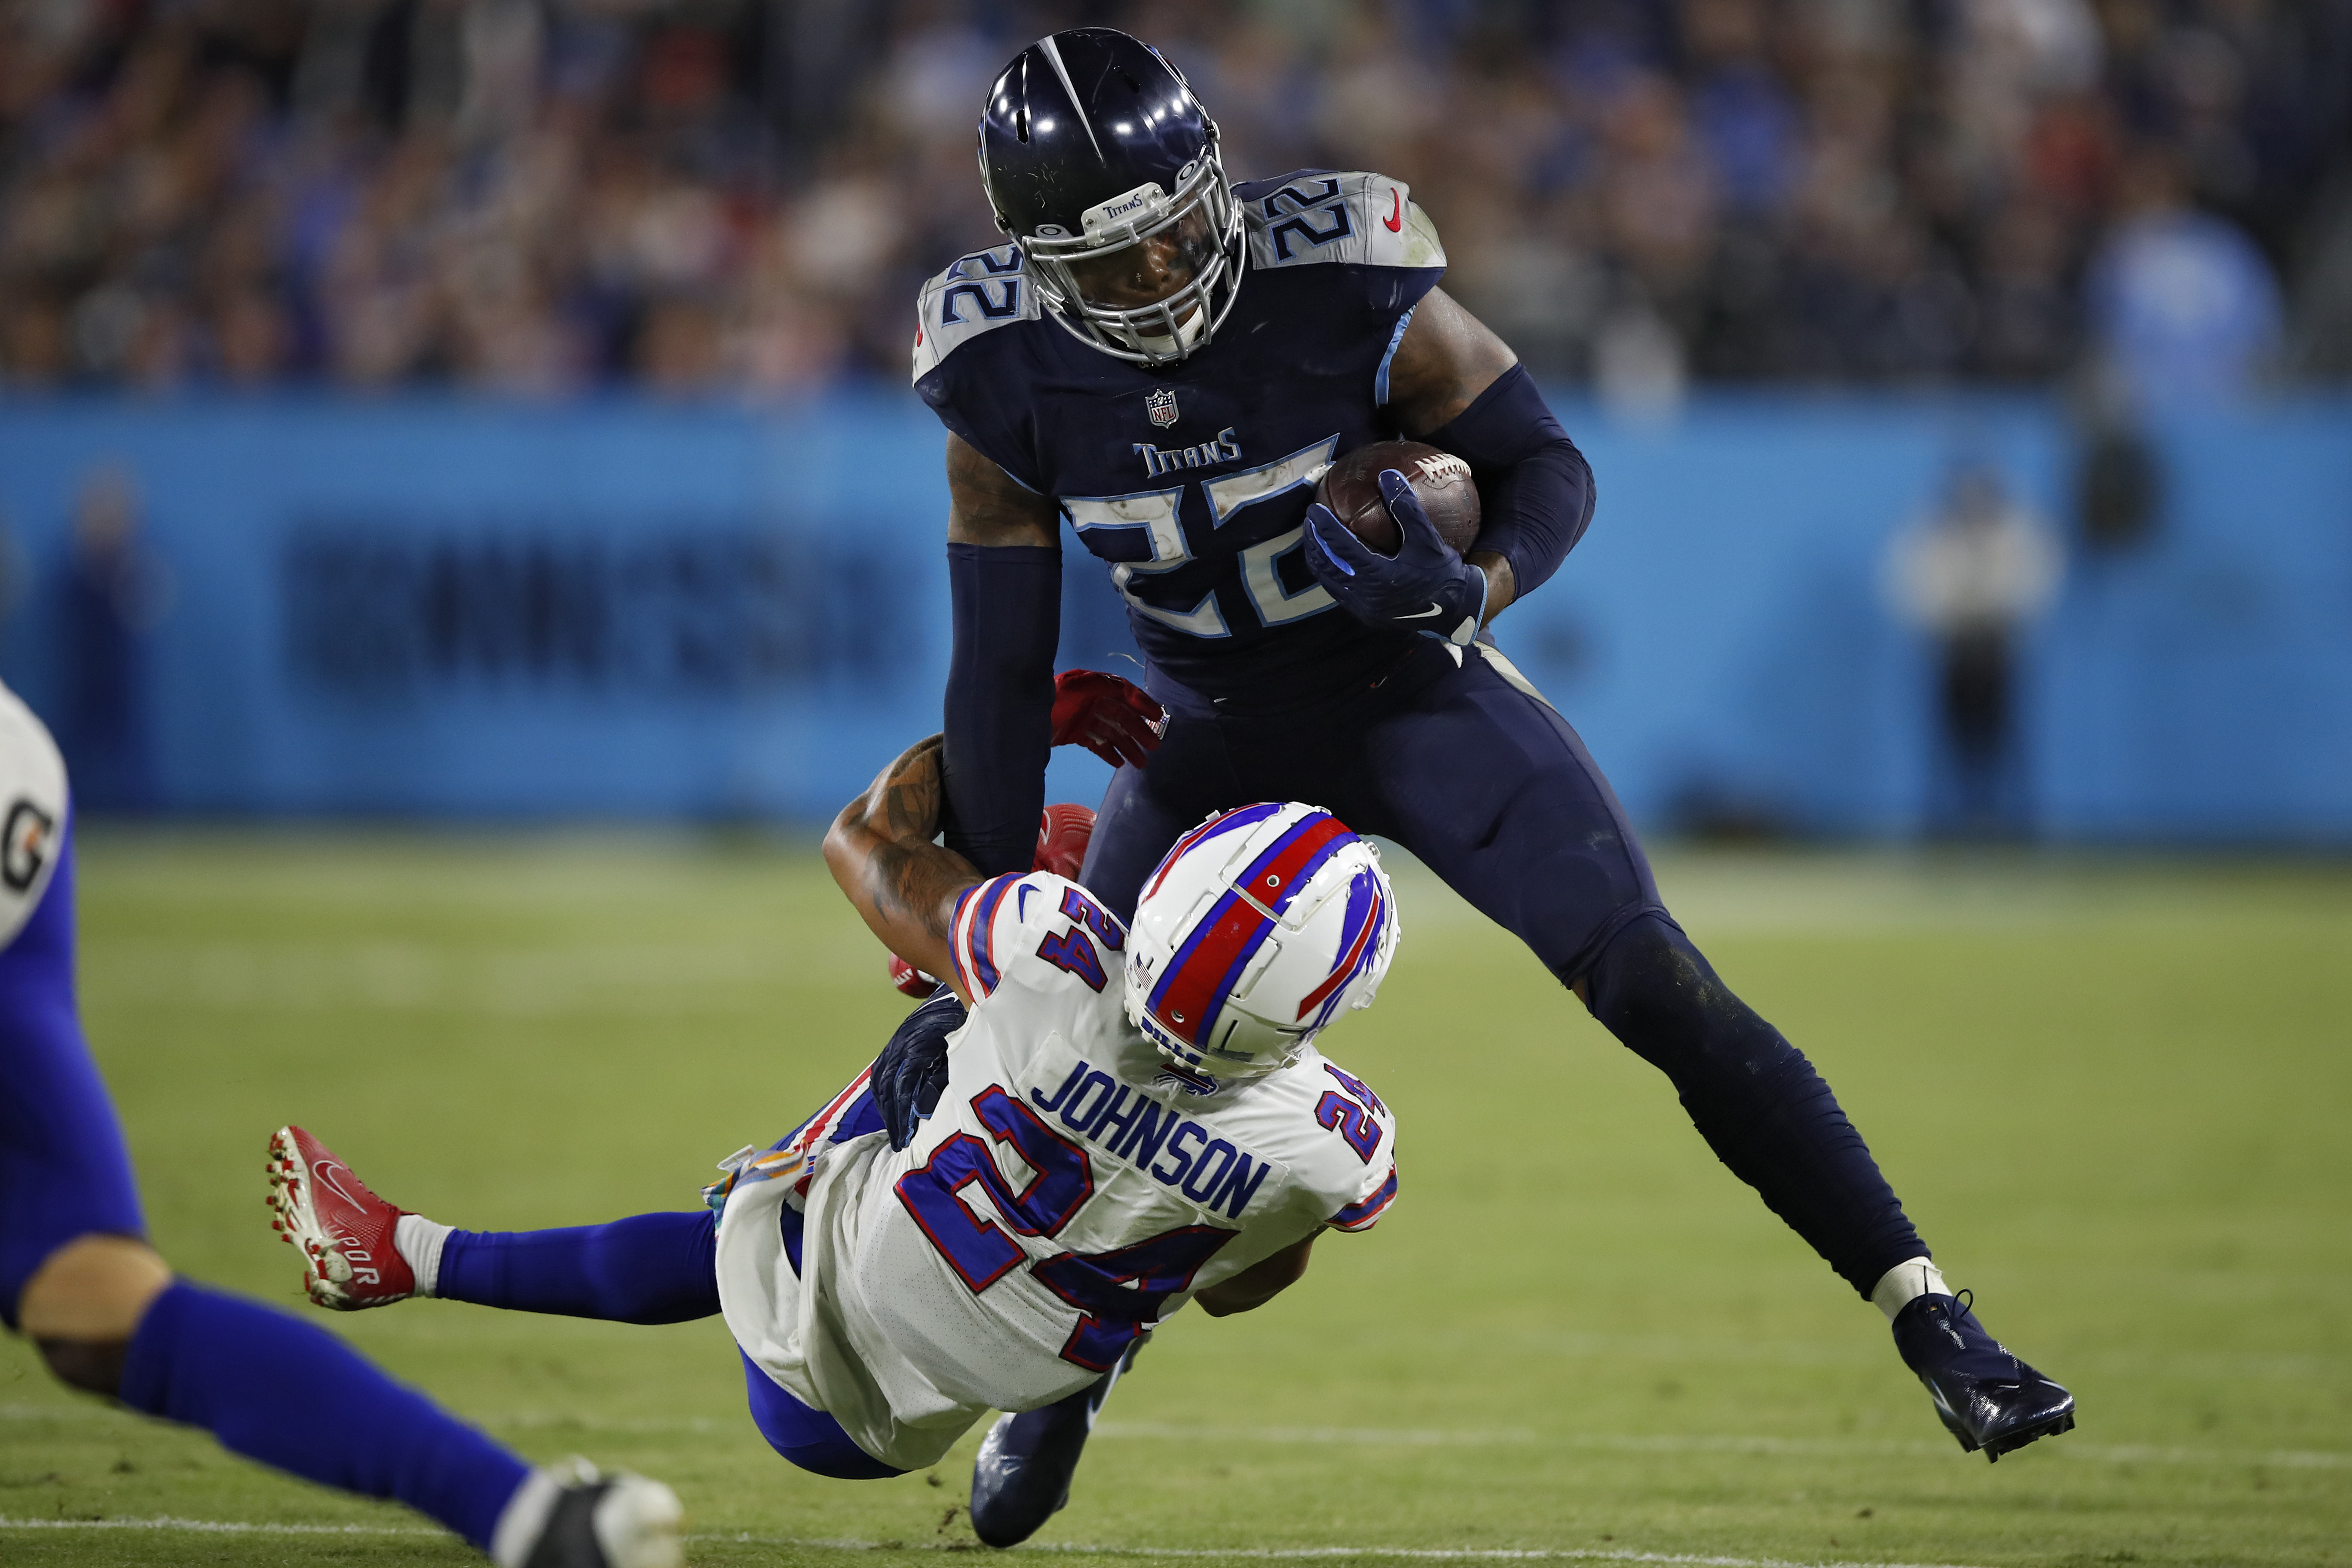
881	853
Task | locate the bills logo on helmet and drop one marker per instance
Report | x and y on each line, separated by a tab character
1162	405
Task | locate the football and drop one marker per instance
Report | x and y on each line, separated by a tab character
1351	488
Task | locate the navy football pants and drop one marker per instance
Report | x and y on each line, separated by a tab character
1489	786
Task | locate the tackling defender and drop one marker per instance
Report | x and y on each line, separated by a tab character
1129	1120
78	1277
1169	360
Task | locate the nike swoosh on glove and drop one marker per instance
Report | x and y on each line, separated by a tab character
1424	587
1113	719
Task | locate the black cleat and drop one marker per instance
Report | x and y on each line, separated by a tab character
1988	1398
1022	1476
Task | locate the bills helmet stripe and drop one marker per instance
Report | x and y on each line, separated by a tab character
1363	921
1359	1216
1278	874
1193	991
1224	822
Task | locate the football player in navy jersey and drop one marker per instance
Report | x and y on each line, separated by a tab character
1169	360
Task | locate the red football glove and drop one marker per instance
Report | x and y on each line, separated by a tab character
1113	717
1062	836
1063	832
911	980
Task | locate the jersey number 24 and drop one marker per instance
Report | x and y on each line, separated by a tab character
1115	1292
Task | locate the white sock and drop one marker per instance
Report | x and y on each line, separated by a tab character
418	1241
523	1519
1897	1288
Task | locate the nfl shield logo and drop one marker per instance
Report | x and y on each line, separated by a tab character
1161	407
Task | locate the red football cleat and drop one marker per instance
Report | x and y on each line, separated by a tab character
344	1231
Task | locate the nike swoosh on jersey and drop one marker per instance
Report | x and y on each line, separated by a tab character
1424	614
1395	220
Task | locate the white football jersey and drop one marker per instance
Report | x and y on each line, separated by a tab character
32	813
1068	1191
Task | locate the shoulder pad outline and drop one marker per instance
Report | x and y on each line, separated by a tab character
1359	217
33	806
985	289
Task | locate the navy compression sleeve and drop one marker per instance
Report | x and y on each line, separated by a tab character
1000	706
1535	488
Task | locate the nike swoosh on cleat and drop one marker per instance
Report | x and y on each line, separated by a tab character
326	1173
1424	614
1395	220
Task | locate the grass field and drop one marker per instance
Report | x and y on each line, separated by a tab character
2114	1095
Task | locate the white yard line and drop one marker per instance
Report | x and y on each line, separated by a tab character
1437	1437
1251	1554
1287	1553
214	1526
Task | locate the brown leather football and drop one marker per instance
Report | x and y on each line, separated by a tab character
1351	488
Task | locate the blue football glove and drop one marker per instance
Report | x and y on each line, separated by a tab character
1423	588
912	1070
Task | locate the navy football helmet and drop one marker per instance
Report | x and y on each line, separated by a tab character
1092	143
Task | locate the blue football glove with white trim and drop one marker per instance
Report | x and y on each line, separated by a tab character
1424	587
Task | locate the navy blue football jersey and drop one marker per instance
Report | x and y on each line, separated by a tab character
1193	480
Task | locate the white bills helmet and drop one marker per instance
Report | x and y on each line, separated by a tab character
1260	925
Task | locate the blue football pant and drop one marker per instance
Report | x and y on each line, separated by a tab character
266	1385
1492	789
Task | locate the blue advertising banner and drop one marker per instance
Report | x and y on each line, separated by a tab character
453	607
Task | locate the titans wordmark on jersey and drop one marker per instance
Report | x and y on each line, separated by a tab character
1193	480
1065	1195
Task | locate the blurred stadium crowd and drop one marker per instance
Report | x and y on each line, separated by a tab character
544	196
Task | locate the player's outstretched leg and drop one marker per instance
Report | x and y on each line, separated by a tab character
1021	1477
109	1320
1771	1118
290	1395
364	1252
1533	835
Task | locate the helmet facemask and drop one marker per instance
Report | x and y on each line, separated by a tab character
1206	223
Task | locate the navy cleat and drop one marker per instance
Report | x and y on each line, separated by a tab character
1988	1398
1022	1476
